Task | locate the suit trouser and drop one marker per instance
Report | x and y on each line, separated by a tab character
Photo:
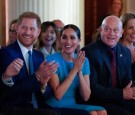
125	107
31	111
67	111
28	111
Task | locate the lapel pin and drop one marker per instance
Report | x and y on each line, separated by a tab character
120	55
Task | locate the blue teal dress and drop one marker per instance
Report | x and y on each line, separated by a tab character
68	100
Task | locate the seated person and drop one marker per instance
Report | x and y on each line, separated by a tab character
73	73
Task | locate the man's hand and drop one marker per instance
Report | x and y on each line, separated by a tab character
13	68
45	71
129	92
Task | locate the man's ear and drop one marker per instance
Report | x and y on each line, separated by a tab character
99	29
121	33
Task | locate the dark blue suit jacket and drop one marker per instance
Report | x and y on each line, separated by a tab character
101	80
20	93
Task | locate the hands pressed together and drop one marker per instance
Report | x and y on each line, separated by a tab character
45	71
79	61
129	92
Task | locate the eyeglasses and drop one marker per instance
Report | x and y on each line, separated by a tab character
59	29
12	31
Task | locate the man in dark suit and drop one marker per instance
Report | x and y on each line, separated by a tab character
111	87
17	84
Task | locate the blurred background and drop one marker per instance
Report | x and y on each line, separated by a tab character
86	14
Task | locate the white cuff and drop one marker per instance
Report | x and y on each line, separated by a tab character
9	82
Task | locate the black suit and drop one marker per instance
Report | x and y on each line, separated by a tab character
101	80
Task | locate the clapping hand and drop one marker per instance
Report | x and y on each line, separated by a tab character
46	70
13	68
79	61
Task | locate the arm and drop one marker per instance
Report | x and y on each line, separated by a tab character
84	86
60	89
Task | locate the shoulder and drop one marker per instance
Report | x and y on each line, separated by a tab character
37	52
91	49
123	49
55	56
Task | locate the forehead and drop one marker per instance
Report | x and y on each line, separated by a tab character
58	23
29	22
116	1
112	22
69	31
131	22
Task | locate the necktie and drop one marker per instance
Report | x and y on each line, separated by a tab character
31	71
113	68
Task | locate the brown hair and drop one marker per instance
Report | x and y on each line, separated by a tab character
125	18
44	27
121	10
31	15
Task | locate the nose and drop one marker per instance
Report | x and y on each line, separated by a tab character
111	31
48	33
68	40
28	31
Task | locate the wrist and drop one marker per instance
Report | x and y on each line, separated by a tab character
6	77
43	88
37	76
80	72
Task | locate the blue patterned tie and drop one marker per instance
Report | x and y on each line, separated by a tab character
31	71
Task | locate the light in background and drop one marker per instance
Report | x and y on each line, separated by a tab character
69	11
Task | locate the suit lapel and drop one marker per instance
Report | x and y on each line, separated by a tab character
16	52
119	59
105	56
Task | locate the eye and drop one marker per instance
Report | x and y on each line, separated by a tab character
32	29
52	32
106	29
72	37
115	30
63	37
23	27
131	27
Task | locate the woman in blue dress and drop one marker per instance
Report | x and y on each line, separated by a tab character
73	73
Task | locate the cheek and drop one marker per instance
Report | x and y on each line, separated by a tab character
76	43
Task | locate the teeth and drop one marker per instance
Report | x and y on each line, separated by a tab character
26	37
68	46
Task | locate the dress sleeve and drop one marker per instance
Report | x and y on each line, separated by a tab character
86	67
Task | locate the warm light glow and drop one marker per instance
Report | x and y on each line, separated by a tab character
69	11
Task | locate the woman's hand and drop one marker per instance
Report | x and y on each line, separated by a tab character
79	61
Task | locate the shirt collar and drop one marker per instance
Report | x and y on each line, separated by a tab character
24	49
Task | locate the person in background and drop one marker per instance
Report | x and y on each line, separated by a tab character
72	74
128	37
12	32
111	81
116	9
59	25
47	38
23	83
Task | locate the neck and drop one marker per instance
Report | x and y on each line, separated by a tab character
116	14
127	43
67	57
48	48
